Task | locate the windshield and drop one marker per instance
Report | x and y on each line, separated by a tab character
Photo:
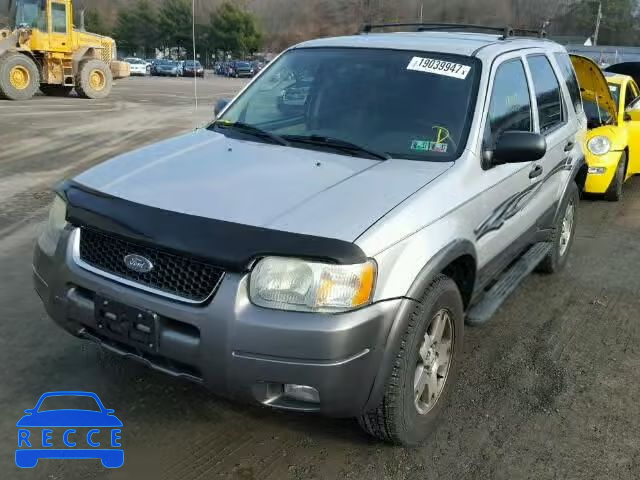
190	64
411	105
165	62
242	65
31	13
596	114
67	402
615	92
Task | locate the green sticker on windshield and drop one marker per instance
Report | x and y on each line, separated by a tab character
429	146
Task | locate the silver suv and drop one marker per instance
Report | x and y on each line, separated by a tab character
319	246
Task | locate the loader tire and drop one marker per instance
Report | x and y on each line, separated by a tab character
56	90
94	79
19	77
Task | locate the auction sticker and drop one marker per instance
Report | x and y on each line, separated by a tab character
439	67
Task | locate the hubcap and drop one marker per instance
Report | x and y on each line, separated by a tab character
19	77
567	228
434	362
97	80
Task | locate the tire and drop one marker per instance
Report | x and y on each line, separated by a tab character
614	192
55	90
397	419
19	77
91	74
563	234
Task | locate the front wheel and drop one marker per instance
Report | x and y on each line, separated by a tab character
614	192
94	79
424	369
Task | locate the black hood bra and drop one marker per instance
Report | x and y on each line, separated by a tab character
230	245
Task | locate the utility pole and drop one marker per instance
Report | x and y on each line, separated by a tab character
598	20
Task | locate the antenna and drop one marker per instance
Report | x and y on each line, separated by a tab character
193	37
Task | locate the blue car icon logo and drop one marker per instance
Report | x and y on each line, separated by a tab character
90	432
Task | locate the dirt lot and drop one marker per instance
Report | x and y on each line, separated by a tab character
549	388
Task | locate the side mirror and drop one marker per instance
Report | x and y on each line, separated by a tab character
29	411
516	147
627	117
220	106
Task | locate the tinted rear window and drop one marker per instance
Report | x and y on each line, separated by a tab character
547	91
570	79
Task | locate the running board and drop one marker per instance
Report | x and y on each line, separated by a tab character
510	279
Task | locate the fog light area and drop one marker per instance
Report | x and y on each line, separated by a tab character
303	393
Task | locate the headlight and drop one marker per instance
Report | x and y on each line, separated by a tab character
50	236
292	284
599	145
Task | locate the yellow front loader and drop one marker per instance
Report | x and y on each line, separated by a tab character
41	49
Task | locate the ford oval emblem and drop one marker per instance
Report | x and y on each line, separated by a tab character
138	263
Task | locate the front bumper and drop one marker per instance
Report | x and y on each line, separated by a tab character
233	347
599	183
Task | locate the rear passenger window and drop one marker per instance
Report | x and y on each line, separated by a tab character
569	77
547	91
510	107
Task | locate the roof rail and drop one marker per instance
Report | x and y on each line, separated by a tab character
506	31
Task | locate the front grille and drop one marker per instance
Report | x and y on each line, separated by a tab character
172	274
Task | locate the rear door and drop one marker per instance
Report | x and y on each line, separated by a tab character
556	119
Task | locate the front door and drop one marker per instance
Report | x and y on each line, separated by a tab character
60	26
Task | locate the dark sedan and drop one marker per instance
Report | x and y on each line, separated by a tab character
192	69
164	68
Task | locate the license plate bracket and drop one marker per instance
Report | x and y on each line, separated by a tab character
129	325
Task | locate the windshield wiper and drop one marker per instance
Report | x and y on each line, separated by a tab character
337	144
252	130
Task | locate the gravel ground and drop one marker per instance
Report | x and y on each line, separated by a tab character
549	388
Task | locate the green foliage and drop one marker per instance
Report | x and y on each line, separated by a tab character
94	22
232	29
175	23
137	26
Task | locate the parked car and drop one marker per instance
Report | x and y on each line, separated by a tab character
165	68
325	258
240	70
611	103
138	66
191	69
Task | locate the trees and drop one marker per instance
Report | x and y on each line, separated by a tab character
232	29
94	22
175	23
137	27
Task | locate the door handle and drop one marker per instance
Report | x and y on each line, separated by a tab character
569	146
535	172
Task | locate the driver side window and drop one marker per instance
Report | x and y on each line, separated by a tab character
510	106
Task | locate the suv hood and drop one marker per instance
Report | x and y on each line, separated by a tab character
209	175
593	84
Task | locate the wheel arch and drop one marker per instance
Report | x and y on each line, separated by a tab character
458	261
84	53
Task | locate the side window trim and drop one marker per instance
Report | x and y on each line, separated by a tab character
563	108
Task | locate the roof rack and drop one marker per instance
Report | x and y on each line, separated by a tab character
506	31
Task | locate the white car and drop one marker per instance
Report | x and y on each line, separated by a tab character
138	66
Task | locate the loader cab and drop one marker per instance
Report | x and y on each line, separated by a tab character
51	22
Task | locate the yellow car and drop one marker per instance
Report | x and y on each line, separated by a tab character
612	107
